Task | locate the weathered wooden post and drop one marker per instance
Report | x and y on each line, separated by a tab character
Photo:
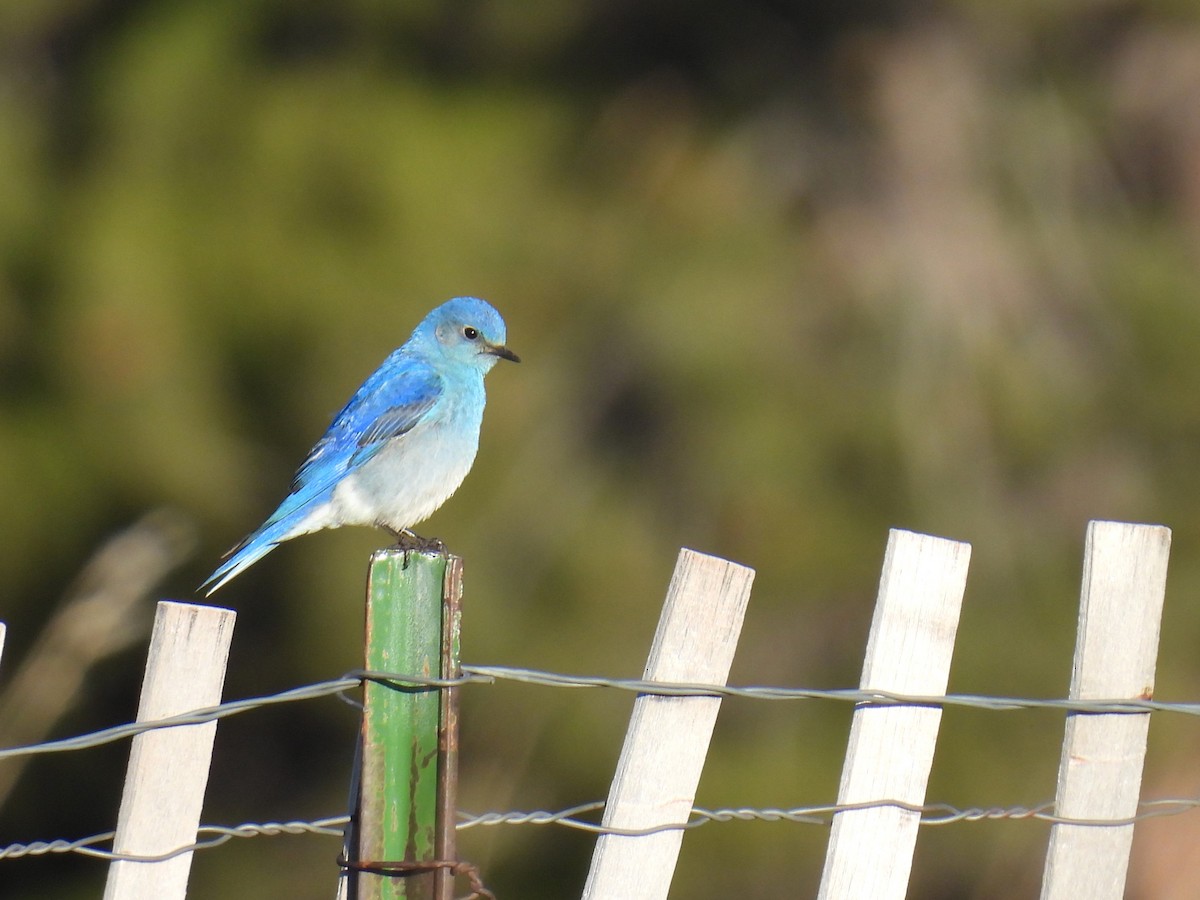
667	740
168	768
1116	650
890	750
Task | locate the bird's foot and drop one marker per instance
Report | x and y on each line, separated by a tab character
414	543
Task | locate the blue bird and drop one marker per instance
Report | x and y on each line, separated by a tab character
401	446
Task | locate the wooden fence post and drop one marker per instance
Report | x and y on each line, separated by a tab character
397	809
668	737
890	749
1100	772
168	767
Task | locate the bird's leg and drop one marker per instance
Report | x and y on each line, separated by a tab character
411	542
405	540
428	544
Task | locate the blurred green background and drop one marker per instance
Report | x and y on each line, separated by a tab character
783	275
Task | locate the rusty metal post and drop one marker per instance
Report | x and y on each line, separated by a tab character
445	843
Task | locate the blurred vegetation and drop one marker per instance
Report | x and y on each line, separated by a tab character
783	276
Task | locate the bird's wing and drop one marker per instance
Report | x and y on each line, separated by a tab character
389	404
397	420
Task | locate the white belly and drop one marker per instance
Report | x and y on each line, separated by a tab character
402	484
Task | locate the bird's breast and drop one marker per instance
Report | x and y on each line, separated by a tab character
409	477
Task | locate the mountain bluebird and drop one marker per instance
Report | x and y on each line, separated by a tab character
401	446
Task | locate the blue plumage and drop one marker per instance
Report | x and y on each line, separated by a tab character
401	446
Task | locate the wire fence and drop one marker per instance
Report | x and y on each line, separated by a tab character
474	675
931	814
582	817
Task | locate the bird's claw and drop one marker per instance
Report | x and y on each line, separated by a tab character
414	543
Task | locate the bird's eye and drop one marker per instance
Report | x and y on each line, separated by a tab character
470	333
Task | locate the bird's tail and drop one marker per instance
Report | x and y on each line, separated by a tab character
286	522
244	555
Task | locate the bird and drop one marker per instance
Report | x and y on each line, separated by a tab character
401	445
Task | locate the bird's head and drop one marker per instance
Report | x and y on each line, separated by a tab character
468	330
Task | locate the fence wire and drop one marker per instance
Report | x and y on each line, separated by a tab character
572	818
576	817
495	674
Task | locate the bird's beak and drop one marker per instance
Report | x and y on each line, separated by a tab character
503	352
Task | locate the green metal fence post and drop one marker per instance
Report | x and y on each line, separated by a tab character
398	805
